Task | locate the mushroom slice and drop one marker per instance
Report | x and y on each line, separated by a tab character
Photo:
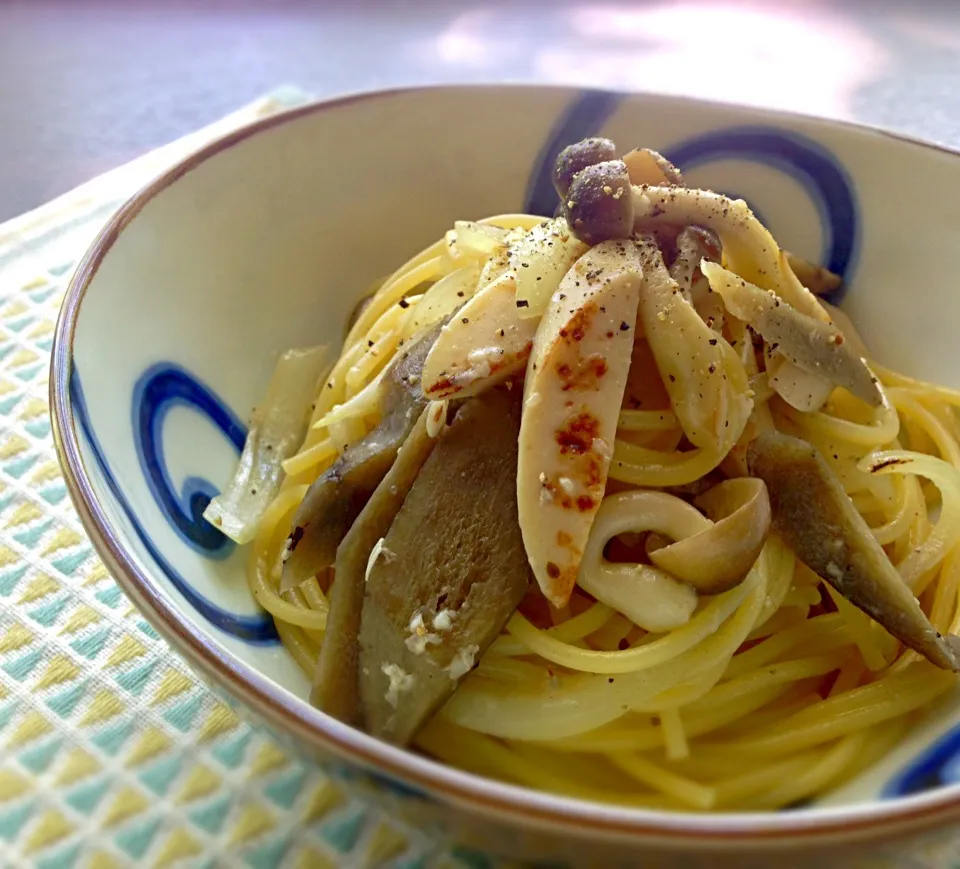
538	261
818	279
336	498
646	595
817	520
750	251
694	244
706	383
574	388
717	559
812	345
646	166
335	679
483	345
454	575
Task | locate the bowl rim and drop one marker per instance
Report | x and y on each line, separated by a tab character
511	804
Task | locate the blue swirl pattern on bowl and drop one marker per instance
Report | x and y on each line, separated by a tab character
937	766
161	388
257	629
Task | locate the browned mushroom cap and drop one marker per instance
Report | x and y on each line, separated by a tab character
576	157
600	204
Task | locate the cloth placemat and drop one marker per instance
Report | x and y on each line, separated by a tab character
112	753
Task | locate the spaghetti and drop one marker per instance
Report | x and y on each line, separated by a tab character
641	689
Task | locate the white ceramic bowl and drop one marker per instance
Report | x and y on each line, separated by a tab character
265	239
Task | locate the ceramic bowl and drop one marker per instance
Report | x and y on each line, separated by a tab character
264	240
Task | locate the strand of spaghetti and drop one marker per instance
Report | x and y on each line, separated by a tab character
838	716
647	420
783	782
290	613
946	530
366	402
303	653
883	427
459	744
657	469
336	390
266	546
741	786
610	636
781	620
428	265
513	221
582	625
674	734
944	607
577	703
576	628
668	646
851	672
929	390
778	564
908	506
829	766
310	458
826	631
860	628
314	597
508	670
942	439
658	778
370	363
637	737
804	595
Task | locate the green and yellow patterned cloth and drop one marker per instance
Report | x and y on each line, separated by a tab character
112	753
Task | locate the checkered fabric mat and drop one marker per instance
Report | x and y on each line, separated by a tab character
112	753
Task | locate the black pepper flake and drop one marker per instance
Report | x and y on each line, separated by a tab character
624	326
403	303
712	369
295	537
562	296
523	303
610	680
464	320
460	294
369	343
713	342
525	265
672	378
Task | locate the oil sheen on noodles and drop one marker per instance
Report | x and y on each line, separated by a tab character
751	704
